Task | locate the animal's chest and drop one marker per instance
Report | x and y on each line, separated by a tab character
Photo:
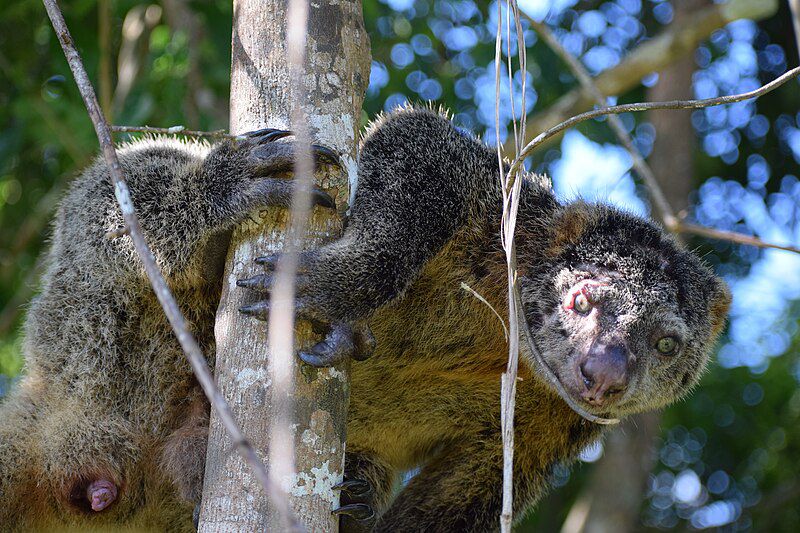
409	411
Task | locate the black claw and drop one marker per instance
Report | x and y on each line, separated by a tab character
322	198
323	154
260	282
259	310
268	261
268	134
357	511
337	346
316	360
354	487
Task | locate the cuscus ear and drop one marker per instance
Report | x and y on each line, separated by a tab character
570	225
718	306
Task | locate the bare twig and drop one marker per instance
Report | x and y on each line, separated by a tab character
794	7
671	221
508	381
485	302
653	55
172	130
642	168
646	106
730	236
104	40
511	193
168	303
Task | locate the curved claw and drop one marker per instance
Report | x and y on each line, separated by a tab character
259	282
258	310
269	261
264	283
323	154
315	360
196	517
337	346
354	487
322	198
357	511
268	134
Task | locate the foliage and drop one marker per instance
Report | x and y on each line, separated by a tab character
728	455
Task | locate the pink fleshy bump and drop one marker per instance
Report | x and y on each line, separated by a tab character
101	494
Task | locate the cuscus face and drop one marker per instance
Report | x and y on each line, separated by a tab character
629	317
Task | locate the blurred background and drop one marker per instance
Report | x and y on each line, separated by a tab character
729	456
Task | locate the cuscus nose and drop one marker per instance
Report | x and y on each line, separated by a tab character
604	371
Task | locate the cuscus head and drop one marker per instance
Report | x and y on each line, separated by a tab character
628	317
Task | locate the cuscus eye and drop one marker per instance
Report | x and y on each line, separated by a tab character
581	298
667	345
581	303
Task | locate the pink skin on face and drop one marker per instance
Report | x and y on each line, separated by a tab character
584	287
101	493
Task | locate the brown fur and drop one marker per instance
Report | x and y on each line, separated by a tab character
570	227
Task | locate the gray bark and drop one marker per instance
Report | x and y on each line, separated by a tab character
336	74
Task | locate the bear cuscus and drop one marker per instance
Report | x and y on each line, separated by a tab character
107	426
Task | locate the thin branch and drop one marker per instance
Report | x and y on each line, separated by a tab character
168	303
730	236
511	191
646	106
511	183
104	40
794	8
172	130
485	302
675	224
652	55
642	168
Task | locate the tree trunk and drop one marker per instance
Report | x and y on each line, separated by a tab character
336	72
612	500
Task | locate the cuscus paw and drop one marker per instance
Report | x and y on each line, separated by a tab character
355	514
342	340
277	157
258	157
